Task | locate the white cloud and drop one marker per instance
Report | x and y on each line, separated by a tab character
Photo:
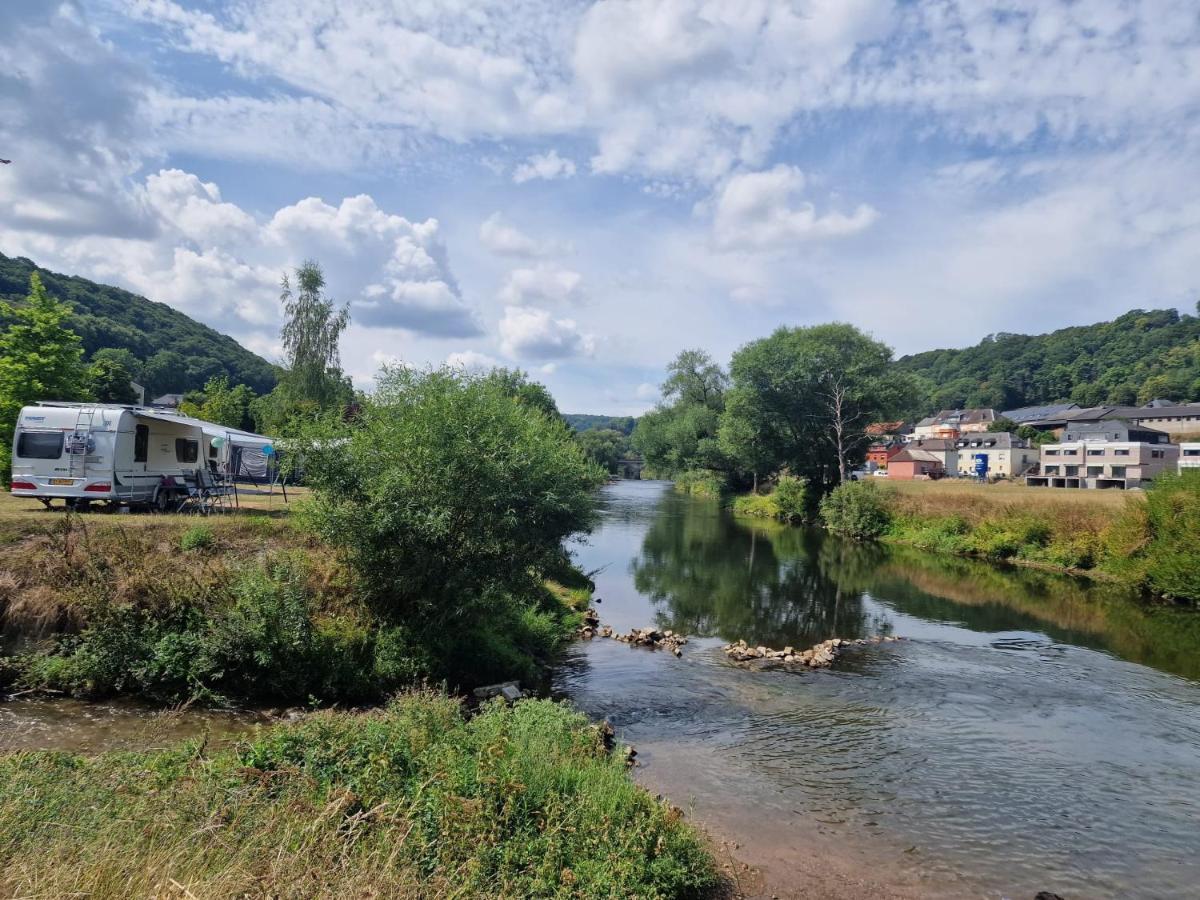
527	333
763	211
472	361
647	391
504	239
544	165
544	283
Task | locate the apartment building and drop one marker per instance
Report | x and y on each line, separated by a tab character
950	423
1106	454
1004	455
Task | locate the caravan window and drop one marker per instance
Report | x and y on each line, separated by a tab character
141	443
186	451
40	445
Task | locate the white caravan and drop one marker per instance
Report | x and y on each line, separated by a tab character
80	453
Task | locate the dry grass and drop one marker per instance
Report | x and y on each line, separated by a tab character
976	502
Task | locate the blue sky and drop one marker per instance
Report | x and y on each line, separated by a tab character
582	189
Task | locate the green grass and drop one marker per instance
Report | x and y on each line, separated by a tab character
409	801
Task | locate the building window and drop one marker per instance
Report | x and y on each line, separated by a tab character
1050	452
1095	453
1120	452
1191	452
1118	471
40	445
1051	470
186	451
1095	471
141	443
1156	454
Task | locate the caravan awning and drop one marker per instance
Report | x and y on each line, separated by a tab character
234	436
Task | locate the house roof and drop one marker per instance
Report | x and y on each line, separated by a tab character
988	440
937	444
1034	413
912	455
880	428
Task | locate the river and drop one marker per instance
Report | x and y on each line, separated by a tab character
1032	732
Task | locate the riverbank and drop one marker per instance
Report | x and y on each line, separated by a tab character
237	609
411	800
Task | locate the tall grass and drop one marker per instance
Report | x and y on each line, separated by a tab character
409	801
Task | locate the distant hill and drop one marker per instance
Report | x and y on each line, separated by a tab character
1138	357
175	353
586	422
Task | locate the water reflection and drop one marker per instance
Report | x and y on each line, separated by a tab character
709	574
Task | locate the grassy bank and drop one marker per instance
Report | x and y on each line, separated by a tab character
408	801
1145	541
234	609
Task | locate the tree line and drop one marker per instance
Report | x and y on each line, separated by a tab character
797	403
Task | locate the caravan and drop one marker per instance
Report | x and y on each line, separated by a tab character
85	453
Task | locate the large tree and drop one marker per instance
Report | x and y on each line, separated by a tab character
40	359
681	432
801	400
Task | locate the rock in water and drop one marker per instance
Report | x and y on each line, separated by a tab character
509	690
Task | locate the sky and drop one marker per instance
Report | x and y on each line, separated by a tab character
583	189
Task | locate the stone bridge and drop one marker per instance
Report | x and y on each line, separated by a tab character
630	467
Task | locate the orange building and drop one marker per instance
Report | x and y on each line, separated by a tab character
911	464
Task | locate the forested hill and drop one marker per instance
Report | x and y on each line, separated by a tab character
589	422
1143	355
174	353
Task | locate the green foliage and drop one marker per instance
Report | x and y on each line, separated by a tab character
40	359
701	483
516	384
786	502
756	506
198	537
802	398
1137	357
586	422
603	446
221	403
108	381
856	509
1154	544
312	330
447	493
166	350
681	432
411	800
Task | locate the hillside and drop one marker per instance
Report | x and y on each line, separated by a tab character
175	353
1140	356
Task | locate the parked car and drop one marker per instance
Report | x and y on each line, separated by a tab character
880	473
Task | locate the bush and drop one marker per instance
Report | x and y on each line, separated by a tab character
198	537
701	483
1154	544
412	800
445	491
791	497
856	509
758	506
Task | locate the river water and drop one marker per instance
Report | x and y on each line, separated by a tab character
1033	732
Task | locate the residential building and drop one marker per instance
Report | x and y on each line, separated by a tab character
880	454
950	423
944	449
1175	421
1006	455
1105	454
1189	455
912	463
1029	414
888	431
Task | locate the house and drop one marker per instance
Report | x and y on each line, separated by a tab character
1004	455
167	401
1028	414
1109	453
880	454
913	463
888	431
1189	455
1175	421
950	423
945	450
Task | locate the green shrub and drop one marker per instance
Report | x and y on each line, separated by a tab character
1154	544
701	483
856	509
758	506
198	537
791	498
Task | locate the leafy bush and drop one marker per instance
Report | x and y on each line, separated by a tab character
412	800
701	483
791	497
446	491
856	509
198	537
759	506
1154	544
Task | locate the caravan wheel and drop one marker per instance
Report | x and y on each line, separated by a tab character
162	501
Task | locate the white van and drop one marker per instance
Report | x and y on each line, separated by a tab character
80	453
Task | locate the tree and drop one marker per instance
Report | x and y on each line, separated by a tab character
681	432
1002	424
312	330
164	373
804	397
40	359
108	381
694	378
516	384
604	446
447	492
221	403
